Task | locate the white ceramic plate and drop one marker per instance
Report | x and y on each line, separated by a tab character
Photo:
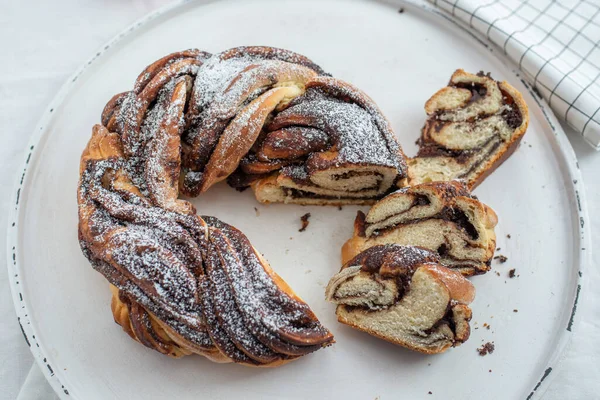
399	59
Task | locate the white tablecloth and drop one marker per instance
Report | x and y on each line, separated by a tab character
43	42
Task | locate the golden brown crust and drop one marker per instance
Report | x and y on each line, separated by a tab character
461	290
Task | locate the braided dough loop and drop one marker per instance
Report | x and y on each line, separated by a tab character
184	284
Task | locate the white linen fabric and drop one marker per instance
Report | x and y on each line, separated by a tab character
43	42
555	44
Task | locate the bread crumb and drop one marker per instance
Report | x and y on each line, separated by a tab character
497	273
487	348
486	325
511	273
501	259
305	222
308	271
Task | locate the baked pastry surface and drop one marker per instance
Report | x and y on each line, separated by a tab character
474	124
184	283
441	216
272	120
403	294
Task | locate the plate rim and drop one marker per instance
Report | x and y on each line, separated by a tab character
565	148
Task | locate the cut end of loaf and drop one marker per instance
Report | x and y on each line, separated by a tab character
400	294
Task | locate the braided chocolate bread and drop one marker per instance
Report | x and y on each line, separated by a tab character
403	295
272	120
440	216
474	125
260	116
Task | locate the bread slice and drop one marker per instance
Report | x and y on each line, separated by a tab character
441	216
403	295
474	124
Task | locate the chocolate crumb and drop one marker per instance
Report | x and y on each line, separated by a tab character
511	273
515	310
497	273
498	249
501	259
304	220
340	208
487	348
256	211
490	370
429	392
401	11
508	236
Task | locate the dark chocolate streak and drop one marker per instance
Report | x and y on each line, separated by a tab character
447	214
301	194
512	116
352	174
476	164
477	90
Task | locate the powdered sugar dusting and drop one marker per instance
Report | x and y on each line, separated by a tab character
200	276
354	130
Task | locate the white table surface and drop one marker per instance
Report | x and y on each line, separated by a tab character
43	42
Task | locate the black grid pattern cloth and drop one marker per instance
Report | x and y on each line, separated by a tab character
554	43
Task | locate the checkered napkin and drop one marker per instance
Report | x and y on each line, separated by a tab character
556	45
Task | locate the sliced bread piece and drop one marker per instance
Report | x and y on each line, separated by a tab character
441	216
403	295
474	124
